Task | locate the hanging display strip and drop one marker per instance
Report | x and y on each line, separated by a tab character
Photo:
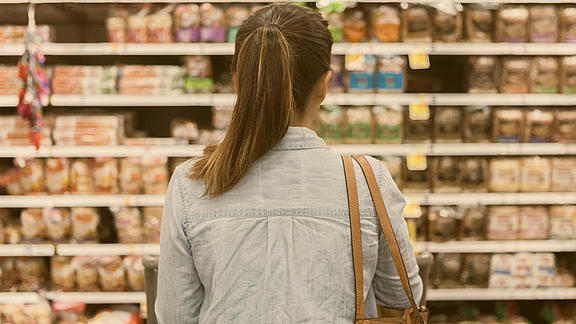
108	249
498	246
500	294
80	201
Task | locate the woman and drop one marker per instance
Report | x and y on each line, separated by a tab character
256	230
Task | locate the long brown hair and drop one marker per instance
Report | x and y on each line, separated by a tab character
281	51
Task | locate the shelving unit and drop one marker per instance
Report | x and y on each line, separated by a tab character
498	246
477	294
12	250
19	298
99	297
80	201
108	249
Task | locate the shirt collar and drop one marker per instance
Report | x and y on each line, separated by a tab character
300	138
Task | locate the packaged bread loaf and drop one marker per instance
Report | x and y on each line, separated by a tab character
563	177
138	25
355	26
539	126
31	175
337	80
473	225
415	180
505	175
152	221
212	23
449	270
160	26
387	124
448	124
568	74
567	20
32	273
111	273
474	174
33	226
565	125
116	25
62	273
512	24
476	270
358	125
235	16
386	23
544	270
477	124
447	26
523	270
9	274
58	225
417	131
187	23
483	74
535	175
442	224
479	24
105	173
534	223
155	174
332	124
134	272
128	223
86	271
515	76
81	180
545	75
503	222
543	24
85	224
131	175
361	70
390	76
507	125
57	175
446	174
562	222
416	24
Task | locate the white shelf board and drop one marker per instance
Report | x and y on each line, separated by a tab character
80	201
8	101
108	249
11	49
19	298
493	198
11	250
498	246
501	294
137	49
99	297
107	151
144	100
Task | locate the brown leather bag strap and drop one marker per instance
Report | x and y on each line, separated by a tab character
355	233
386	226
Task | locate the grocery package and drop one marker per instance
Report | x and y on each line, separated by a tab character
523	270
186	130
31	175
473	224
503	222
543	24
17	34
474	174
563	177
479	24
477	124
62	273
387	124
394	166
417	131
15	131
9	274
515	77
539	126
390	75
212	20
111	273
565	125
336	83
85	224
415	180
331	124
507	125
33	227
32	273
155	174
86	273
417	25
446	174
151	80
116	25
134	269
355	26
535	174
505	174
128	223
442	224
544	270
568	73
567	19
476	270
447	26
105	173
152	221
545	75
138	25
360	73
187	23
222	117
72	312
483	74
512	24
335	19
447	271
131	175
358	125
123	316
563	222
39	313
84	79
81	180
534	224
448	124
10	83
501	267
386	23
58	224
235	16
198	74
57	175
160	26
88	130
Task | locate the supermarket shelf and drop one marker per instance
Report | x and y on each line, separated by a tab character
501	294
524	198
498	246
267	1
8	101
10	250
80	201
149	101
95	151
108	249
98	297
19	298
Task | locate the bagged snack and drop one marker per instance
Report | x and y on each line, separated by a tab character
539	126
134	272
415	180
448	124
187	23
62	273
476	270
505	175
337	80
473	225
360	73
503	222
155	174
386	23
535	174
116	25
57	221
544	270
442	224
86	270
128	223
417	131
81	176
563	176
160	26
331	124
111	273
512	24
9	274
358	125
335	19
138	25
32	273
387	124
417	25
501	267
85	224
562	222
477	124
523	270
474	174
57	175
568	74
446	174
545	75
199	77
447	26
33	227
152	221
543	24
483	74
515	75
390	74
355	26
565	126
479	24
31	175
131	175
448	270
567	20
212	23
534	224
235	15
394	166
507	125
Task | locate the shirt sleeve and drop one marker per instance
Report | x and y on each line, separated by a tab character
387	286
180	292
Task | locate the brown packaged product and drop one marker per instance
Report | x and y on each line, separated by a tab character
111	273
447	26
9	274
85	224
565	125
81	176
512	24
417	131
358	125
152	221
386	23
355	26
33	227
417	25
448	124
128	223
446	174
160	27
62	273
563	176
31	175
477	124
474	174
86	271
523	271
116	25
57	175
483	74
545	75
543	24
515	77
539	126
138	25
415	181
507	125
534	223
442	224
567	19
562	222
473	225
448	270
505	175
568	74
479	24
105	173
503	222
535	175
476	270
134	272
58	226
131	175
32	273
155	174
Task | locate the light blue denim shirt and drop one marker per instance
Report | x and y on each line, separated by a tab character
276	247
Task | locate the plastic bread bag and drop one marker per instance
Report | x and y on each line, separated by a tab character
235	15
386	23
387	124
507	125
128	223
534	223
134	272
503	222
523	270
85	224
62	273
391	74
336	84
131	175
479	24
212	23
138	25
417	25
57	175
86	271
355	26
562	222
222	117
539	126
358	125
565	125
543	24
155	174
474	174
32	273
501	267
116	27
483	74
160	25
31	175
199	77
563	177
81	176
33	226
447	26
105	174
473	225
187	23
442	224
415	180
515	76
361	70
477	124
544	270
505	175
9	274
331	124
446	174
449	269
535	174
476	270
567	20
545	75
448	124
58	224
417	131
152	221
512	24
69	312
111	273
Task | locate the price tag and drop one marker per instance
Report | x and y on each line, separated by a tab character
419	59
412	209
411	223
419	110
416	161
